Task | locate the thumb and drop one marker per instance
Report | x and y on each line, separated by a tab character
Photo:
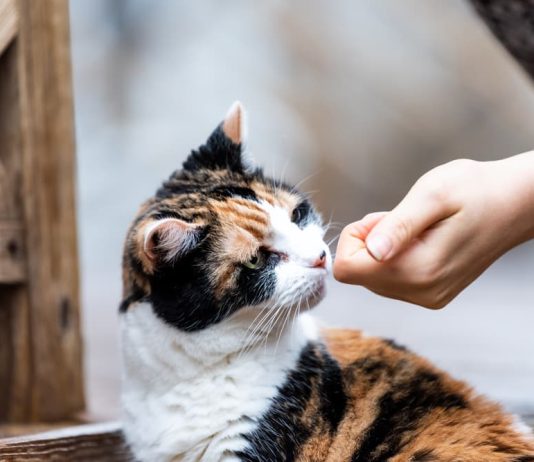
419	210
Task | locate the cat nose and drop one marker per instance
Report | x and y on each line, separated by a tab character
321	261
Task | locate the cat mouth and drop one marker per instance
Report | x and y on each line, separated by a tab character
319	291
315	292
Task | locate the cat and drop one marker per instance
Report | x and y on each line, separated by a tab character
221	362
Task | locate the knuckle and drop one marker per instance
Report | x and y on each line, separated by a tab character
347	229
461	164
374	215
402	228
434	187
438	192
352	229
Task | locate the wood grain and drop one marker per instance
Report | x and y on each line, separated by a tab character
12	255
47	129
8	23
99	442
12	262
41	371
15	339
15	355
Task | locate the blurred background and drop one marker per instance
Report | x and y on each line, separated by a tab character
354	99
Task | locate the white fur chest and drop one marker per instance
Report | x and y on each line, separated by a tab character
190	396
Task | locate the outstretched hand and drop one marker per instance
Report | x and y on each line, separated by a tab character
452	225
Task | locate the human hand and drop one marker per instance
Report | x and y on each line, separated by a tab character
452	225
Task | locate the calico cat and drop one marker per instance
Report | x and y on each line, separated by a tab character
220	364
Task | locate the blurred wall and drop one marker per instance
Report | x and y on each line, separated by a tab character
354	99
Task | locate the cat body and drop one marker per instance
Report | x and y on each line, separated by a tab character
220	364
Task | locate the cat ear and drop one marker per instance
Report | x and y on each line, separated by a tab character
234	125
225	149
167	240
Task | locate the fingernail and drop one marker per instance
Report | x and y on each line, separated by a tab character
379	246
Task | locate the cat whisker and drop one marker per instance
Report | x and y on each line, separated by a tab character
268	321
312	192
297	314
278	314
297	186
253	329
334	239
288	314
283	174
333	225
295	317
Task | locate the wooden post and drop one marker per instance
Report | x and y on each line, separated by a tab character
40	344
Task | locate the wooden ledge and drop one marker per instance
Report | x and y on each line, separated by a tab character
95	442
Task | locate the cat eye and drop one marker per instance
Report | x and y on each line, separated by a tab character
300	212
255	262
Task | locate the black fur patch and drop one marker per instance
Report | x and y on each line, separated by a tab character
331	392
281	431
136	295
219	153
410	397
182	294
424	455
396	346
233	191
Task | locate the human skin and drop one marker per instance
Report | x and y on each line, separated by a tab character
455	221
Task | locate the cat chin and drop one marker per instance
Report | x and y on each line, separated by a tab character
316	295
305	302
311	298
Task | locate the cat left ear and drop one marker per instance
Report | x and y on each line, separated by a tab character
225	147
234	125
166	240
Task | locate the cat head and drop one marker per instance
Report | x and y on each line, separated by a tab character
220	236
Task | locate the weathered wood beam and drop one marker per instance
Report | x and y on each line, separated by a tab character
41	370
12	262
12	245
48	169
8	23
15	338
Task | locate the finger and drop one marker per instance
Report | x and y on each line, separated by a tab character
353	262
370	220
419	210
352	238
